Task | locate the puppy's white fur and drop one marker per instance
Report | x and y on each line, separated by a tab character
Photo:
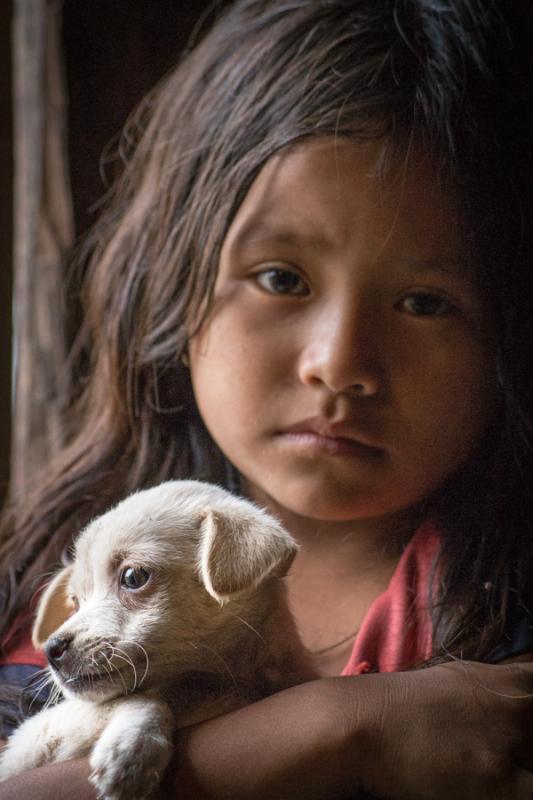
207	632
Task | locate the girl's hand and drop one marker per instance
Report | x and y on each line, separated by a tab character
461	730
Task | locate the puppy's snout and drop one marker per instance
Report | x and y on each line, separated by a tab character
56	649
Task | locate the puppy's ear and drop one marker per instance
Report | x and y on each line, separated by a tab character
238	552
53	609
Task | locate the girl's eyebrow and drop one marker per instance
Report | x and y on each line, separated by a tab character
259	232
262	234
451	266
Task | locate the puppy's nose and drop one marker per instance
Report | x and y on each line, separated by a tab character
56	648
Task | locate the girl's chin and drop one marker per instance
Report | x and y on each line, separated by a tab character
323	503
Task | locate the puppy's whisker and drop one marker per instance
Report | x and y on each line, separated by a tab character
251	627
145	654
119	653
36	686
114	668
35	691
123	682
42	673
32	701
108	667
53	698
107	670
40	680
224	663
50	699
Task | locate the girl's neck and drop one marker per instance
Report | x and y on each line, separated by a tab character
340	569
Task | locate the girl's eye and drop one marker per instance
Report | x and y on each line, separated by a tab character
282	281
134	577
425	304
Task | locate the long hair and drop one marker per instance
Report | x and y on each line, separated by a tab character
452	74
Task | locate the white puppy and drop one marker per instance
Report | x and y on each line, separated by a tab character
172	612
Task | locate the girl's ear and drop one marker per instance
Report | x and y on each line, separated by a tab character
238	552
53	609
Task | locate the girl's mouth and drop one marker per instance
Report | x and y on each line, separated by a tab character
331	438
317	443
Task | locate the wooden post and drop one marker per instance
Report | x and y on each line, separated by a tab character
43	234
6	240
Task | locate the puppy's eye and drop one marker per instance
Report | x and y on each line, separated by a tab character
134	577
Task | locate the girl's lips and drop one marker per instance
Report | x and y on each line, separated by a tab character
328	445
321	431
319	435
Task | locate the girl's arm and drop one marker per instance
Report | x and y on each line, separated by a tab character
66	781
458	730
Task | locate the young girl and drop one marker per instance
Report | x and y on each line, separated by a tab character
311	285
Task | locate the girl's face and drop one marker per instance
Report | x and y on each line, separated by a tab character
346	367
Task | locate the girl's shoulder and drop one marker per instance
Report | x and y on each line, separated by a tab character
397	633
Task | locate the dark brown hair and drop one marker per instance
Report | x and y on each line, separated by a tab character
453	74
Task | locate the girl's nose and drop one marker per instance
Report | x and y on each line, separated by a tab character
341	352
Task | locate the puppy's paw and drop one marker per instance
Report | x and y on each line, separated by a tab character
67	730
15	760
128	761
129	768
33	744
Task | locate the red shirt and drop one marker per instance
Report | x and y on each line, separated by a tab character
25	653
396	633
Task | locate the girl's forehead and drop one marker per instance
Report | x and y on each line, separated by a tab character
334	169
328	188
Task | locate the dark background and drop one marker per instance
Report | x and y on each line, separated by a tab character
114	51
